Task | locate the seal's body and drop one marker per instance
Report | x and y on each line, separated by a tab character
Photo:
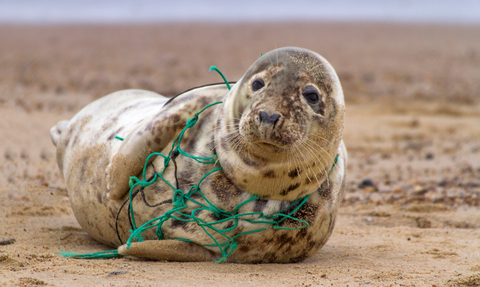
277	135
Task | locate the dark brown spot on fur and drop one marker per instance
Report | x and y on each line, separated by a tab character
115	133
224	144
298	258
290	188
182	223
178	223
268	241
301	234
260	204
83	168
248	161
244	248
309	237
325	189
224	189
74	142
99	230
175	119
191	142
333	110
196	195
294	173
216	217
99	198
113	212
149	127
270	174
284	239
307	212
270	257
229	224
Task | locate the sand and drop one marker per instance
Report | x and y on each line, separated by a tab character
412	128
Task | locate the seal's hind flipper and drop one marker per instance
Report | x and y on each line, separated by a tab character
57	130
169	250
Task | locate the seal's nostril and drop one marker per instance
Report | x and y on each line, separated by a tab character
269	119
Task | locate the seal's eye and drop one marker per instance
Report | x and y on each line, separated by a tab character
311	95
258	84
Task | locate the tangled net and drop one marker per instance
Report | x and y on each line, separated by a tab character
179	205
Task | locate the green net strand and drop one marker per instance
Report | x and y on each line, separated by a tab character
214	68
97	255
179	202
182	212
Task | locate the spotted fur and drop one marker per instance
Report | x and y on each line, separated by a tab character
270	142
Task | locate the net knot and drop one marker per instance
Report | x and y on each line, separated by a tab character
132	181
191	122
178	198
174	153
217	213
135	235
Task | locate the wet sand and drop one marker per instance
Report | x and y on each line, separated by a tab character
412	128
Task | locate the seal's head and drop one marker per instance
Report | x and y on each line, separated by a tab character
280	126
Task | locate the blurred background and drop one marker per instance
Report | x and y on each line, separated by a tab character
379	48
410	71
145	11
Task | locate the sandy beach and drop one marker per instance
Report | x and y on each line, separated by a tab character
412	129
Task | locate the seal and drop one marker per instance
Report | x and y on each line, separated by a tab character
277	135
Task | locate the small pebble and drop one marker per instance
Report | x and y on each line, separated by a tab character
443	183
24	154
472	184
7	241
9	155
365	183
423	222
118	272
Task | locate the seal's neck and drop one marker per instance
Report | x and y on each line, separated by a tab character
268	172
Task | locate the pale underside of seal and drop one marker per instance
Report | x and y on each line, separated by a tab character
276	134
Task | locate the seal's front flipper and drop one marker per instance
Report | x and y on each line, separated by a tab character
169	250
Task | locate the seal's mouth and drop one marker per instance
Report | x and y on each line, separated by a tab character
271	141
269	146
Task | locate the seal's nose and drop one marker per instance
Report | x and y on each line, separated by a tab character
269	119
